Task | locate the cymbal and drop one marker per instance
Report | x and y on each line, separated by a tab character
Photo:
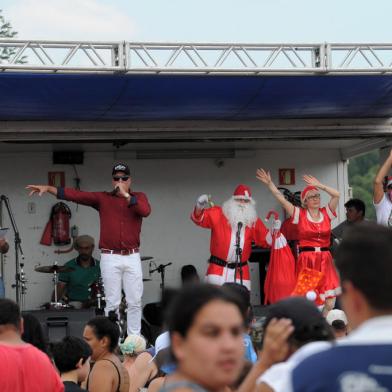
146	280
146	258
49	269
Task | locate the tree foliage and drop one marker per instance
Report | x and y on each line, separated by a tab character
361	173
6	31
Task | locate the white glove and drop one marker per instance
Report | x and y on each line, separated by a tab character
277	224
202	202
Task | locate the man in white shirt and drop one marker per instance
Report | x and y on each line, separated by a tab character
382	198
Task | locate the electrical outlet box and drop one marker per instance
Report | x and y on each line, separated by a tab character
31	207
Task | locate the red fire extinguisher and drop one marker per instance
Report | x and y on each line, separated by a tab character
58	226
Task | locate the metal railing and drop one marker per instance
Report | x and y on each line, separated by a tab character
201	58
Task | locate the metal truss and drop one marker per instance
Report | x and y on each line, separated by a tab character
194	58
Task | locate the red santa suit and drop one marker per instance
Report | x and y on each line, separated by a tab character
314	242
223	244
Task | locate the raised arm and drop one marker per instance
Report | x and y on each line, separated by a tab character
275	349
265	177
41	189
333	193
378	189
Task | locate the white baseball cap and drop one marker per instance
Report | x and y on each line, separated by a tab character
336	314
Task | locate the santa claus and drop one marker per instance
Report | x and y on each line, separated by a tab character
237	218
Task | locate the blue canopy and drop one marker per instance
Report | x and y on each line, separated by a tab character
120	97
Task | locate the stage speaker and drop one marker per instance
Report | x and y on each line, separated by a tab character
68	157
57	324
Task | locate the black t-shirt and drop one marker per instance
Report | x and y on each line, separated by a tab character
70	386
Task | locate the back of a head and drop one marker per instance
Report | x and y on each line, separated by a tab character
240	290
190	300
189	274
243	294
103	326
364	259
33	332
9	313
309	324
133	345
67	353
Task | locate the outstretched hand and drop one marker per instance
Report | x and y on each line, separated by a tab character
312	181
263	176
34	189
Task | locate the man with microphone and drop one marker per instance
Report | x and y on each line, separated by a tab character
121	212
234	227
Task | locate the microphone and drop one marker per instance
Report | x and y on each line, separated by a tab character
239	225
115	191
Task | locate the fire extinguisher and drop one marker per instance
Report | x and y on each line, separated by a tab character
60	215
58	226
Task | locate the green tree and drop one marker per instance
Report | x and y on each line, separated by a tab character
361	173
6	31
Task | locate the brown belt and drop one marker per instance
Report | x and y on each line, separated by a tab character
123	252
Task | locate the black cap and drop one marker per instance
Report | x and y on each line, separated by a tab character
122	167
309	323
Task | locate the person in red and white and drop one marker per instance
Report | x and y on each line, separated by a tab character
314	232
238	214
383	200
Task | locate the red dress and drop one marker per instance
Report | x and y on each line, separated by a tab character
317	235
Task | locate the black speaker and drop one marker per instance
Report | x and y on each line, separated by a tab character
68	157
57	324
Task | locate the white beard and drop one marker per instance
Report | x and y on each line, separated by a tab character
236	212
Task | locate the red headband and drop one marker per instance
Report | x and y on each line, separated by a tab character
307	190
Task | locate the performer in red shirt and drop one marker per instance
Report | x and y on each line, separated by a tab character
314	232
121	213
237	213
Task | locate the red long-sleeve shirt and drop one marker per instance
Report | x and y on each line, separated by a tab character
120	220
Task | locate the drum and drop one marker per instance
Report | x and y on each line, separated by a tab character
97	295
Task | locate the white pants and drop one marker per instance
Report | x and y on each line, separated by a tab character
123	272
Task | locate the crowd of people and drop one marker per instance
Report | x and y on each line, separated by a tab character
210	339
203	346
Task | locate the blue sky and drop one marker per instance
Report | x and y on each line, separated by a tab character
264	21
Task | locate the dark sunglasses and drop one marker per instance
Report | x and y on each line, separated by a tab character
120	178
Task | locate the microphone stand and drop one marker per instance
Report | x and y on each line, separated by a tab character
161	270
20	278
238	254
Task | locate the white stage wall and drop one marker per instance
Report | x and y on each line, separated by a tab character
172	187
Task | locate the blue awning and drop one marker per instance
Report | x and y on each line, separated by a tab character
121	97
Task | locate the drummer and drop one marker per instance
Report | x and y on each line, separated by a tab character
85	271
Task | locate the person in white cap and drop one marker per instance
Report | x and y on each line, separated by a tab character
236	216
337	319
382	200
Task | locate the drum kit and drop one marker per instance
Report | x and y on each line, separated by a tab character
96	288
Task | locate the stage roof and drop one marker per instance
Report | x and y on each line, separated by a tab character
30	96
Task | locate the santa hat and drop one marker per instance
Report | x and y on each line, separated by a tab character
242	192
389	180
306	191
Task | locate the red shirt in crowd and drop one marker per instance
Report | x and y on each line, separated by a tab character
24	368
121	220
